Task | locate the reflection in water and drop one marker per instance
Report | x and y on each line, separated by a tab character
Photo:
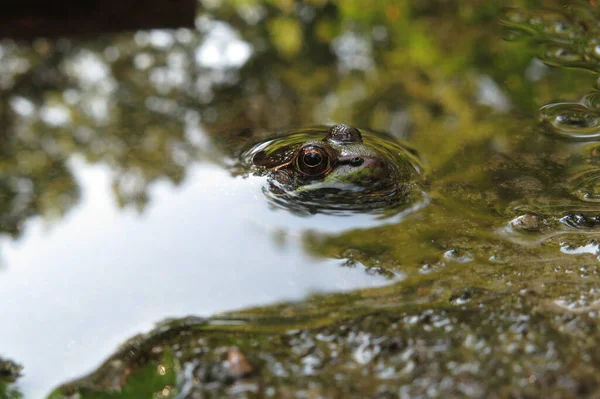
160	118
222	47
100	275
64	98
565	36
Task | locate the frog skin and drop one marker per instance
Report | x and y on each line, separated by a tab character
336	169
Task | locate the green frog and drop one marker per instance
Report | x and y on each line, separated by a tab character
336	170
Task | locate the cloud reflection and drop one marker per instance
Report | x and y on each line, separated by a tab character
200	250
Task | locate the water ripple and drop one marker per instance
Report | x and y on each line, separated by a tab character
564	37
572	120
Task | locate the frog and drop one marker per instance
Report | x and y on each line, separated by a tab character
337	169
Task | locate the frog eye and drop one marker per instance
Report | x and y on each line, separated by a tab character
313	160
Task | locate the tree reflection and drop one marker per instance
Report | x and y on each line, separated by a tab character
9	372
141	103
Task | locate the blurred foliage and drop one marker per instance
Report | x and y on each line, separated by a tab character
9	373
9	392
139	102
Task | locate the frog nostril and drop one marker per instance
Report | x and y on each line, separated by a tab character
356	161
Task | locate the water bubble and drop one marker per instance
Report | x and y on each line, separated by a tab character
496	258
592	100
562	28
426	269
579	302
575	116
546	25
564	56
586	186
527	222
562	36
571	120
458	256
461	298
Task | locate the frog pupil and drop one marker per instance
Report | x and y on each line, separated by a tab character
312	159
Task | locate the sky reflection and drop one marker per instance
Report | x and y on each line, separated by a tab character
101	274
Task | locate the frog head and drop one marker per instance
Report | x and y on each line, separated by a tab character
335	170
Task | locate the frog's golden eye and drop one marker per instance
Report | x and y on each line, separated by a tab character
313	161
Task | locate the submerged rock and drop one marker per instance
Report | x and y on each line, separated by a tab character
489	346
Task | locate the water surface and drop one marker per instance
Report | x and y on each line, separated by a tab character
122	205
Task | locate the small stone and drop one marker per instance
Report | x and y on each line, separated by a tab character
238	364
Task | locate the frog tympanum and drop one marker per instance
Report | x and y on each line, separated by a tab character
336	170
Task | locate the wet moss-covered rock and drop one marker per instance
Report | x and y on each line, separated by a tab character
467	343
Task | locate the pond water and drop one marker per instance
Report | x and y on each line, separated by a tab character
123	204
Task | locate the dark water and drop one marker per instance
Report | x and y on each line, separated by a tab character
121	206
